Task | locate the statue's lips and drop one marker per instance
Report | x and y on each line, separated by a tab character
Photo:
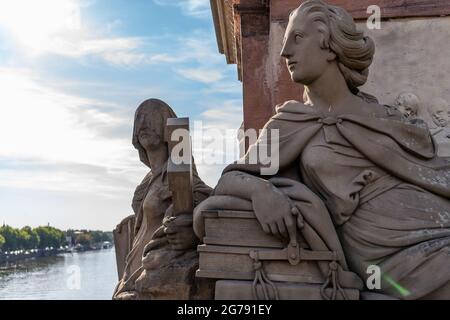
291	64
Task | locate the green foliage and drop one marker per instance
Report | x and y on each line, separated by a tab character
84	239
2	241
11	236
29	238
50	237
100	236
12	239
91	238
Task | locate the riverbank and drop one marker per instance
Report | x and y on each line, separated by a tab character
23	255
20	255
18	244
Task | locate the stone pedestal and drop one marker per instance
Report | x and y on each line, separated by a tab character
170	275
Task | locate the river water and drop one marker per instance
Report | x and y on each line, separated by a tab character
88	275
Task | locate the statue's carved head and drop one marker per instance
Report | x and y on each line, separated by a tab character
440	113
318	35
149	132
408	104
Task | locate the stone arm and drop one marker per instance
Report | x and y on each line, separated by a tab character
272	208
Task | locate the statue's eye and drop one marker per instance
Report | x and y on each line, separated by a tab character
298	36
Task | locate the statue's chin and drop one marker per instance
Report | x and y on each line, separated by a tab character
299	79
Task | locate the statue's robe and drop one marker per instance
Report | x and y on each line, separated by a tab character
381	182
150	271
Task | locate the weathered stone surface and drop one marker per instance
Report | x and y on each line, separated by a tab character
243	290
440	125
170	275
123	241
161	261
362	185
390	8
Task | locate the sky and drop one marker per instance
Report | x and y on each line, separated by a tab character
72	73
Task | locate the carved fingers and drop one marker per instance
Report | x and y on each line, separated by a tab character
182	240
273	211
282	230
179	232
291	226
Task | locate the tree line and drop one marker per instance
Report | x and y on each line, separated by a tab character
43	237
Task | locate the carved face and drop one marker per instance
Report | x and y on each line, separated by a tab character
439	111
407	104
440	116
305	58
408	110
150	132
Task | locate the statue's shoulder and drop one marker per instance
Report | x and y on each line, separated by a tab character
292	106
380	111
391	112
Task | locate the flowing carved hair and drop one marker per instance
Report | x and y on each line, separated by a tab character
354	51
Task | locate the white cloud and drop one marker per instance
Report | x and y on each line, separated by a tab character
66	150
34	22
202	48
165	58
195	8
227	86
123	58
201	75
117	51
206	65
58	178
41	125
56	143
226	115
57	27
219	138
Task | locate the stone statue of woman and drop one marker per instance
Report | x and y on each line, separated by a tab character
155	228
343	155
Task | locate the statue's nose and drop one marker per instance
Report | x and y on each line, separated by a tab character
285	51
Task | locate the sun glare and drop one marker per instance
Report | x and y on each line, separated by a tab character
36	24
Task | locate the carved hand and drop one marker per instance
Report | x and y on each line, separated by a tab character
179	231
273	210
295	190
